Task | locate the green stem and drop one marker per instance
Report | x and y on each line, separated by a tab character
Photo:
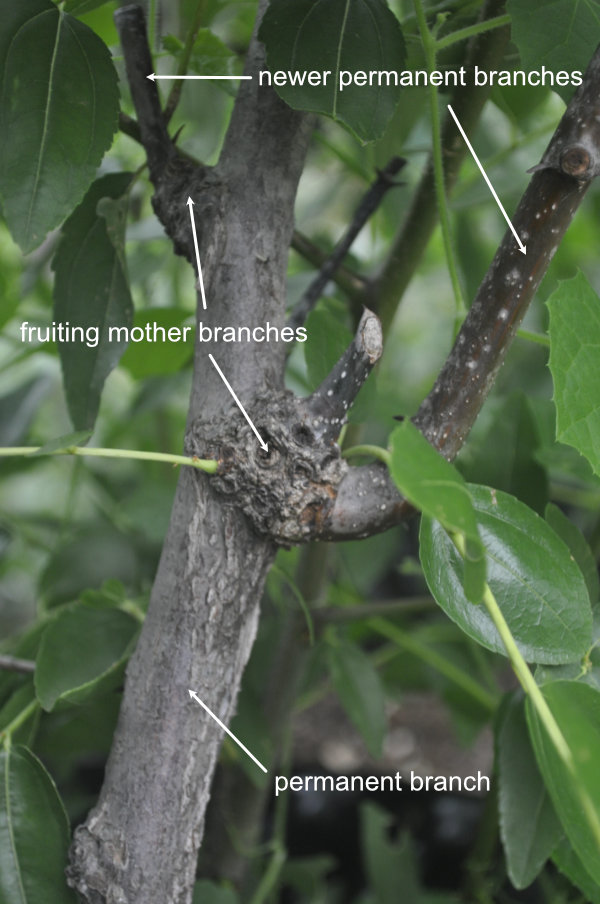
442	665
471	31
528	683
373	451
530	336
19	720
203	464
429	46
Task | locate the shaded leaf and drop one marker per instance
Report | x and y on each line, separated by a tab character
574	353
91	291
557	34
529	827
336	36
572	537
82	652
58	112
435	487
505	457
17	409
34	833
575	791
146	359
210	56
361	692
206	892
571	866
538	586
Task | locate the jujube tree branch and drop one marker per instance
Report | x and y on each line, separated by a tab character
557	187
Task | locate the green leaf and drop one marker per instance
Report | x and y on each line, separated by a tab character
361	692
528	825
82	652
337	36
34	833
435	487
505	457
328	339
146	359
571	866
572	537
574	353
575	791
91	291
210	56
18	408
206	892
58	112
80	7
538	586
557	34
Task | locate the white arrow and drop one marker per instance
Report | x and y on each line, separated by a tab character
239	404
522	247
190	205
153	77
195	697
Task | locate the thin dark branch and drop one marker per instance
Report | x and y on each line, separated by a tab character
388	286
13	664
130	127
367	500
367	207
329	404
131	25
350	282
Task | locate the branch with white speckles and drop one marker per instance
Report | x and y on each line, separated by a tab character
328	405
557	187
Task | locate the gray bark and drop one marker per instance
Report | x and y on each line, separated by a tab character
140	842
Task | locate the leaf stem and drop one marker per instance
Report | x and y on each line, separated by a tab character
528	683
19	720
431	657
471	31
372	451
429	47
203	464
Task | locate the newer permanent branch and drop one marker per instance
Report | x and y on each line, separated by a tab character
367	501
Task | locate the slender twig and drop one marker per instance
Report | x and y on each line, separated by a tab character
203	464
429	46
175	95
159	148
350	282
471	31
366	208
408	642
13	664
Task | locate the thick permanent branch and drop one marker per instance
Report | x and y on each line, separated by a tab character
557	187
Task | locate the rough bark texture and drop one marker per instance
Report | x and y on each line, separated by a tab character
140	843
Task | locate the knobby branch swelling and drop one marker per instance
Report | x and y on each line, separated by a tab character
140	842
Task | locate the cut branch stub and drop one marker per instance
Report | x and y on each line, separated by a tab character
328	406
